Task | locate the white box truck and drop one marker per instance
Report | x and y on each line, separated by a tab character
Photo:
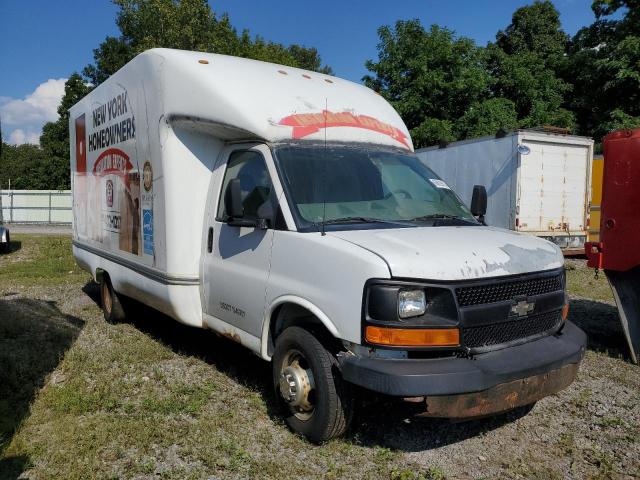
285	209
537	182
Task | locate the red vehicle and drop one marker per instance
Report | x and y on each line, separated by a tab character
618	251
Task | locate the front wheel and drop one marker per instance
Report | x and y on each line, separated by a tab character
307	381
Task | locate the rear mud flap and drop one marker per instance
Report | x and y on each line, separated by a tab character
626	289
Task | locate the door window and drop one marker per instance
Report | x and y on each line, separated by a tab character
250	168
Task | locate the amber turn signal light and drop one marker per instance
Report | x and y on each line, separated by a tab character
565	311
413	337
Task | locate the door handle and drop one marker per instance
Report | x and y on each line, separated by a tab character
210	240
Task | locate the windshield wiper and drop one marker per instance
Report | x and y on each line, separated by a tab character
356	220
439	216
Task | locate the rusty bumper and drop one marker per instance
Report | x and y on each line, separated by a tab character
502	397
486	383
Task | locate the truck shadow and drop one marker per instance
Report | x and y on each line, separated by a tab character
34	335
381	421
601	323
391	424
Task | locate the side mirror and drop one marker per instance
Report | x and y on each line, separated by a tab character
233	199
479	202
235	209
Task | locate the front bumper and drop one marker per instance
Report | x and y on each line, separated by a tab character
510	371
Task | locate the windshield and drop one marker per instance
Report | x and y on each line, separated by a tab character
360	184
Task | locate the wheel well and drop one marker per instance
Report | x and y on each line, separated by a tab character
289	314
99	274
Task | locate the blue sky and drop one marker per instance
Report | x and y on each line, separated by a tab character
43	41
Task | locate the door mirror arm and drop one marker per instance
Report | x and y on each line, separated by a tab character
259	223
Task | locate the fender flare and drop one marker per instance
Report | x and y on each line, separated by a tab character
302	302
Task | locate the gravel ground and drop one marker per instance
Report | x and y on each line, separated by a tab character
589	430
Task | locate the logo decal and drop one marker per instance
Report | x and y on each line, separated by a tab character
305	124
112	161
109	188
522	308
147	231
147	176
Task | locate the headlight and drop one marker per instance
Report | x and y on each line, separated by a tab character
411	303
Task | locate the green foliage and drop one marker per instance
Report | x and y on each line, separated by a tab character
22	164
446	88
110	56
487	118
535	28
429	76
604	67
432	131
618	119
187	25
526	62
631	21
144	24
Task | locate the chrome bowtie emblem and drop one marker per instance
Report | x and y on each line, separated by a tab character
522	308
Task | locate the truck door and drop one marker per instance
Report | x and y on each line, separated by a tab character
236	259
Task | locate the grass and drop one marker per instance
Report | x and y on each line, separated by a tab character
80	398
39	260
581	282
85	399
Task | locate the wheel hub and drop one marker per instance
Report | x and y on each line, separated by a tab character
295	385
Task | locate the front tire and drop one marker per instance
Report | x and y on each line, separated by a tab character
111	305
317	402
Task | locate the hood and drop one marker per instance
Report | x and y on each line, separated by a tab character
456	253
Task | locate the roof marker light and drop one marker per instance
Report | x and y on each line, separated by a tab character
328	80
306	76
204	62
283	72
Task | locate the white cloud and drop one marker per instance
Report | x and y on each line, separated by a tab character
19	136
29	114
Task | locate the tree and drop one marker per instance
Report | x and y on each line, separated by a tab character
525	63
536	91
23	166
429	76
605	69
536	29
109	57
186	25
145	24
630	24
487	118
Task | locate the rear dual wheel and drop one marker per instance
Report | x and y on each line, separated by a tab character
111	304
318	404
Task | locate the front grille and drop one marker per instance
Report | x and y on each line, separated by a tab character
507	290
511	330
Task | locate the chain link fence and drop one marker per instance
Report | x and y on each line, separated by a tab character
36	206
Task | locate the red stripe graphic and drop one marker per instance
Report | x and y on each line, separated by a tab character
112	161
307	123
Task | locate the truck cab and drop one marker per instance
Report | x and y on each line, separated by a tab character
286	210
372	267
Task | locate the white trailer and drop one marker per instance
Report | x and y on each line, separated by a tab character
537	182
286	210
